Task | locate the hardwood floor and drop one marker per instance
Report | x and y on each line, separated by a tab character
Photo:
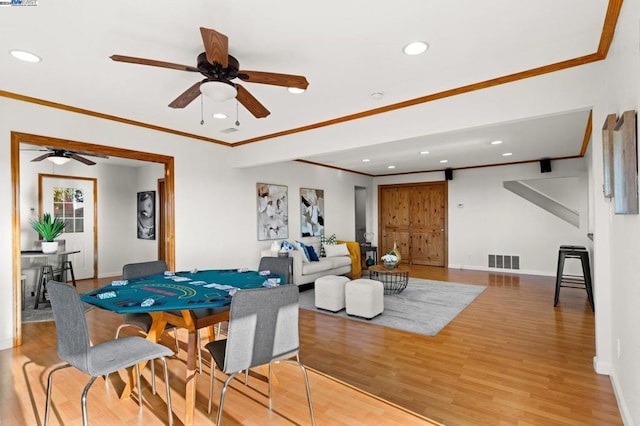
24	370
508	358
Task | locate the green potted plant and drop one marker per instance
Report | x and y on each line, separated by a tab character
49	229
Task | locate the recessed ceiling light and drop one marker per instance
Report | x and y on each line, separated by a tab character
415	48
220	115
444	161
377	96
295	90
424	152
391	167
507	154
25	56
365	160
496	142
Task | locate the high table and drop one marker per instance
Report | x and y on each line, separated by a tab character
186	300
45	258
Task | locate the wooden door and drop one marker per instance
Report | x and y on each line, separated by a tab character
414	218
394	220
428	225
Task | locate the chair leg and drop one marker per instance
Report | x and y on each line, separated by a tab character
137	367
270	386
83	400
306	384
153	376
166	381
48	400
222	393
211	376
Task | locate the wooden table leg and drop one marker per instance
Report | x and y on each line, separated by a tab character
156	330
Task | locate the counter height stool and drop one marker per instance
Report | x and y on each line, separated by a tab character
574	281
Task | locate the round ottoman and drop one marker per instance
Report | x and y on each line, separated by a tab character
329	292
364	298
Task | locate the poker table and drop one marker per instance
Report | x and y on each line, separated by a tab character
187	300
175	291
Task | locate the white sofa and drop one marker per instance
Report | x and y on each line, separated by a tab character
308	272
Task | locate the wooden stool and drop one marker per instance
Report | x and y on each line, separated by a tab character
574	281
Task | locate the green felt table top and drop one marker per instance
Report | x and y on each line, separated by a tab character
184	290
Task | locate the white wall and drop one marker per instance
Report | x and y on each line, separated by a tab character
621	240
510	225
215	204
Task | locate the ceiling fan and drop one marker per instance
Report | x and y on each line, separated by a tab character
61	156
220	68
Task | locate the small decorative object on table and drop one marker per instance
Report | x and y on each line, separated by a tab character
390	260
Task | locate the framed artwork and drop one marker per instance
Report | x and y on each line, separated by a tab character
625	165
147	215
273	212
311	212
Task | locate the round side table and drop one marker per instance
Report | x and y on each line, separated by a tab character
393	280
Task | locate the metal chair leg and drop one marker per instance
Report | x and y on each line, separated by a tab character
83	400
222	393
166	381
48	400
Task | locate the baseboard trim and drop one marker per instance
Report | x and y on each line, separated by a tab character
622	406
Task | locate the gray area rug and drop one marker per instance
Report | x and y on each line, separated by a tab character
424	307
43	313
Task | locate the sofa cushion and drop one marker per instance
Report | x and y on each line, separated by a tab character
303	249
321	265
324	241
336	250
339	261
313	256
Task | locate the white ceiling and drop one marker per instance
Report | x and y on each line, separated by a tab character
346	49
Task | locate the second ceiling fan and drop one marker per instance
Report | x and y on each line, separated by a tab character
220	68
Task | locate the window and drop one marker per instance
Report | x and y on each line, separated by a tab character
68	205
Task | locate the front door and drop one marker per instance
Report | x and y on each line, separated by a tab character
73	200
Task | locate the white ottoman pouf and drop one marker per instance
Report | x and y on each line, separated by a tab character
329	292
364	298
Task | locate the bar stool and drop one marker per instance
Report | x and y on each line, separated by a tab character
47	272
574	281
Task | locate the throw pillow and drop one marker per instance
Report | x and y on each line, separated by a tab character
288	246
303	249
325	241
313	256
336	250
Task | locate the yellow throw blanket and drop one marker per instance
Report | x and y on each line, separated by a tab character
354	254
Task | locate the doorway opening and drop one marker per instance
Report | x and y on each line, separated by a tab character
360	196
168	208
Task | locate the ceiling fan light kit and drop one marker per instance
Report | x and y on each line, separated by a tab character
218	90
59	161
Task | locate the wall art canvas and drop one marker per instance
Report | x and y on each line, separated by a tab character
311	212
273	212
147	215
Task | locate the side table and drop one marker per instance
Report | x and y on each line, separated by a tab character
394	280
364	249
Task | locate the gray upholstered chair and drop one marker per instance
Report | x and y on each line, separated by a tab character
142	321
263	328
74	347
278	265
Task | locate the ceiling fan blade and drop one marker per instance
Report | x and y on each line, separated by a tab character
82	159
186	97
42	157
89	153
153	63
252	104
286	80
216	45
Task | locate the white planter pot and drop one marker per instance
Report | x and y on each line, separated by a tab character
49	246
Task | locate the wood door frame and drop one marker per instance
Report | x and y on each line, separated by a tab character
16	139
445	255
94	181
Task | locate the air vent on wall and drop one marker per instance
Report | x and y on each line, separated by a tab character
503	261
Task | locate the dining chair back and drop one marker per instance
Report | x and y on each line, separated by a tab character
278	265
75	349
131	271
263	329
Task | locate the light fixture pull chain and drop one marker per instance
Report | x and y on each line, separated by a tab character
201	110
237	120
